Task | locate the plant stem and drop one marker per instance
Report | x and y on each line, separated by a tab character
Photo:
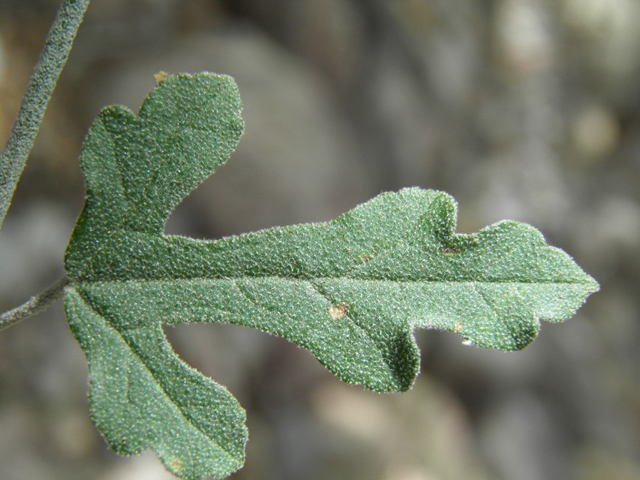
45	76
38	303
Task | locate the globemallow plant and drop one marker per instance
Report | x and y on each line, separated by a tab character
352	291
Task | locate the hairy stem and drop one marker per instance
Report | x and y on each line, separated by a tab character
45	76
38	303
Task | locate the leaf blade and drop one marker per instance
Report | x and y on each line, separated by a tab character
142	396
492	292
352	290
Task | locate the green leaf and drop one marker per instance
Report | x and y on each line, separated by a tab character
137	169
351	291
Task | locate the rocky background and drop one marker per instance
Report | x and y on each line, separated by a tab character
521	109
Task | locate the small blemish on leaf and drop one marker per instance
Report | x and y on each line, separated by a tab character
161	77
338	310
175	464
364	258
457	327
451	250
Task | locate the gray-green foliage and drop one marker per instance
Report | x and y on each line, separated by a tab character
351	291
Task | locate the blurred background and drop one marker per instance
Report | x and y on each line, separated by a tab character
521	109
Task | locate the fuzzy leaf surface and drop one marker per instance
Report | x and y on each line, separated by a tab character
351	291
137	169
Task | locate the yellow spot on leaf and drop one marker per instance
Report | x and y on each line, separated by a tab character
161	77
457	327
175	464
338	311
364	258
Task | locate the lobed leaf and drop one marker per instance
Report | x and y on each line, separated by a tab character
351	291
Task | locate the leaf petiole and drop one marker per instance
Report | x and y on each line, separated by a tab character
35	304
